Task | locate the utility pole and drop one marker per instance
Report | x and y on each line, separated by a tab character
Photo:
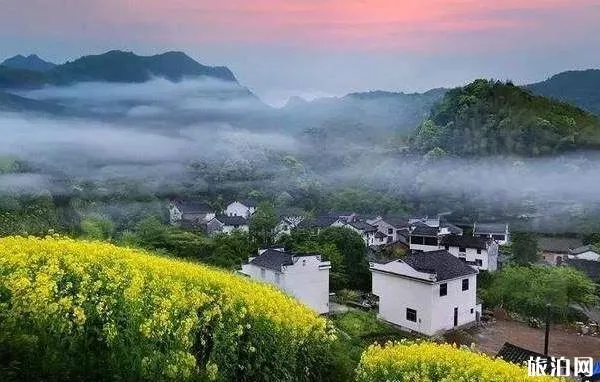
547	335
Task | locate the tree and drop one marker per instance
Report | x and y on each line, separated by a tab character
97	228
527	290
231	250
524	248
263	223
338	276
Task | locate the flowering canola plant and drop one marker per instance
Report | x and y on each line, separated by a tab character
72	309
431	362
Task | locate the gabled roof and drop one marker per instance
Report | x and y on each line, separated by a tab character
363	226
423	230
590	268
193	206
396	221
249	202
441	263
489	228
584	249
232	220
558	244
465	241
272	259
319	222
452	228
380	235
518	355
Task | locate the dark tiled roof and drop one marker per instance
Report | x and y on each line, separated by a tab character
489	228
465	241
248	202
272	259
232	220
591	268
453	229
558	244
396	221
319	222
424	230
584	249
442	263
380	235
363	226
517	355
193	206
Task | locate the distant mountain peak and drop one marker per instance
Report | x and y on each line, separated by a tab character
32	62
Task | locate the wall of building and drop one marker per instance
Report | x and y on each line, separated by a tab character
489	258
443	306
238	209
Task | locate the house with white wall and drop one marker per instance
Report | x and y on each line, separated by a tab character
423	237
394	228
227	224
322	222
302	275
497	231
587	252
367	232
190	212
478	252
428	293
244	208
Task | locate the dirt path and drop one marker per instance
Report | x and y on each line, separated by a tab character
562	342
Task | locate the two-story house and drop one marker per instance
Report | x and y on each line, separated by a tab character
423	237
368	233
429	292
244	208
302	275
476	251
190	212
394	228
497	231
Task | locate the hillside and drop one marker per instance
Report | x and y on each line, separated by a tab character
31	62
114	66
12	102
366	117
495	118
581	88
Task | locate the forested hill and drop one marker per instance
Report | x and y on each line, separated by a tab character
114	66
579	87
496	118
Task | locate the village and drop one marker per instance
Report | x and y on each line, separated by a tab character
424	276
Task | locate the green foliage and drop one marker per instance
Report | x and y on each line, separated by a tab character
524	248
97	228
263	223
527	290
33	215
495	118
230	251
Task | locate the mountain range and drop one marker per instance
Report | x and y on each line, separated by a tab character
31	62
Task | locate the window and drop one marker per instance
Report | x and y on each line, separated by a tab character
411	315
465	284
431	241
277	278
390	231
471	310
443	289
417	240
262	273
479	262
462	249
447	247
479	251
498	237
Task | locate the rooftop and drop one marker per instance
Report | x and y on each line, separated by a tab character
558	244
584	249
517	355
363	226
319	222
424	230
441	263
465	241
232	220
489	228
193	206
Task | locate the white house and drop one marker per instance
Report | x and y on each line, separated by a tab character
245	208
428	292
475	251
496	231
423	237
394	228
321	222
227	224
304	276
190	212
287	224
588	252
367	232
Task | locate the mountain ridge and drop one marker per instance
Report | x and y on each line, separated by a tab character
31	62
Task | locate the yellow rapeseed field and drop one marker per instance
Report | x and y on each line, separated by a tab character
73	309
431	362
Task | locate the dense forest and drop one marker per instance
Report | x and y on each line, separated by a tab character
488	118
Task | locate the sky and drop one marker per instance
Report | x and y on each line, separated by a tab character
312	48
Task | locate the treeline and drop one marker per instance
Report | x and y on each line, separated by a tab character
496	118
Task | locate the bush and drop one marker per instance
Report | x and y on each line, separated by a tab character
76	310
432	362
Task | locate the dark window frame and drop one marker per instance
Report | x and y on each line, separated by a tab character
443	289
410	313
465	284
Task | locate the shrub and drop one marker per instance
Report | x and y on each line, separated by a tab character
76	310
433	362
